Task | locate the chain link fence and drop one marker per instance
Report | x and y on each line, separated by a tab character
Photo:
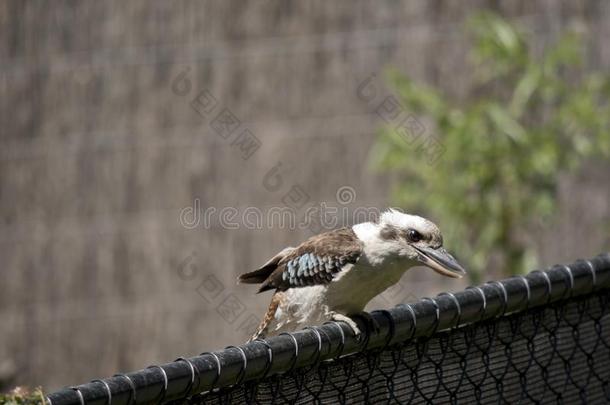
542	338
554	354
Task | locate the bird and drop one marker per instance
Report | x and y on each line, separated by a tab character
332	276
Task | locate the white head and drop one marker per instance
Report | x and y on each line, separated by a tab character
402	237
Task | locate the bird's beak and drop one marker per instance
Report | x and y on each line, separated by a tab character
440	261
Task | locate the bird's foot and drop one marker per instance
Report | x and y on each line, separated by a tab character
349	321
367	319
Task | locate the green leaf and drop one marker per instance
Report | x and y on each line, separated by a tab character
524	90
504	150
505	123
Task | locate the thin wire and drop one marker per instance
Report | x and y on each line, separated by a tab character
269	356
569	271
593	273
457	305
242	372
192	367
413	316
107	388
342	343
549	285
527	289
319	349
504	294
392	325
132	398
438	314
218	367
296	350
482	293
162	394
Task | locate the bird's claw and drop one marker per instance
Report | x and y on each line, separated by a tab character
349	321
370	323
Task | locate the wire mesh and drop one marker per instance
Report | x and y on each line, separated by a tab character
539	338
558	353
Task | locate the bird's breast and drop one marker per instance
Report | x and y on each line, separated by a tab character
353	288
348	293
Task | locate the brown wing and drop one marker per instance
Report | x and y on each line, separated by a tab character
315	261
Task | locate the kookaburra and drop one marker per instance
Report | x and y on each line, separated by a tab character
335	274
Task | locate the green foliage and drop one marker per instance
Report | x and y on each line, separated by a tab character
21	396
531	117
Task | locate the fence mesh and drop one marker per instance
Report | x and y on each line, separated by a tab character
559	353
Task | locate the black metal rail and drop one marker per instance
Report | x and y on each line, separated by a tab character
234	365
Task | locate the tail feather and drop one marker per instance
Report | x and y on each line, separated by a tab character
261	274
256	276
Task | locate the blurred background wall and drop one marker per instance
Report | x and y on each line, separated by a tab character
101	151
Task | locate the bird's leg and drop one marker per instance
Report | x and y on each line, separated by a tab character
369	321
335	316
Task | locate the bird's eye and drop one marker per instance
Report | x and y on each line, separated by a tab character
414	236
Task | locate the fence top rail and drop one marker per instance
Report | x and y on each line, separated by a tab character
306	348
